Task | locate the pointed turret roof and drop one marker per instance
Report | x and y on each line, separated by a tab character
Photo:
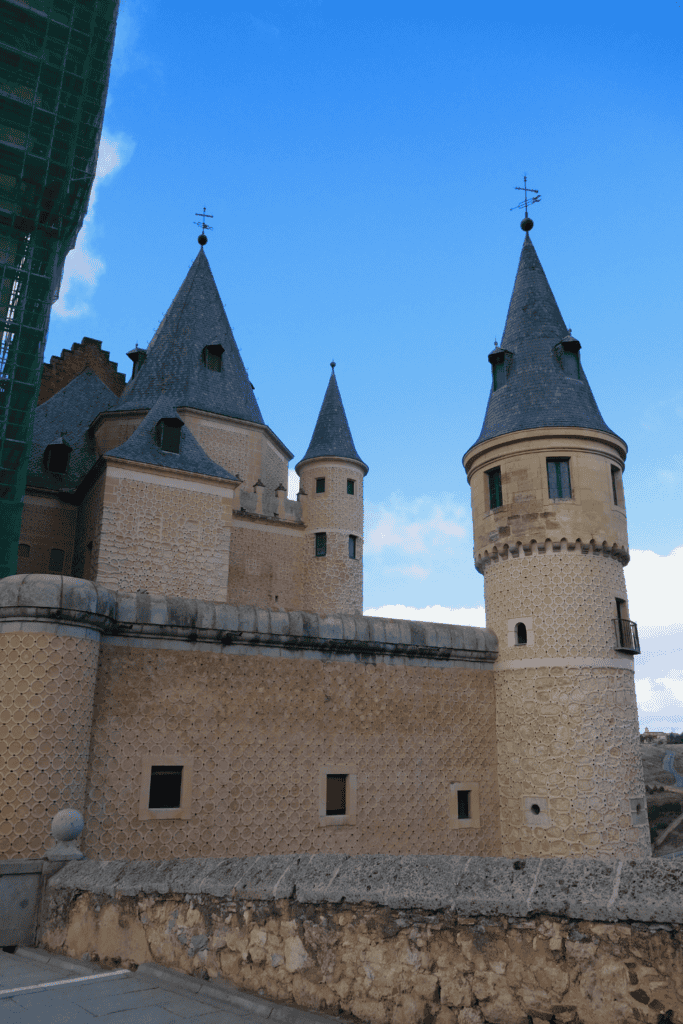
332	436
538	390
142	447
174	364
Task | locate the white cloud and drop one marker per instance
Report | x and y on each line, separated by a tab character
432	613
660	702
82	268
413	526
655	595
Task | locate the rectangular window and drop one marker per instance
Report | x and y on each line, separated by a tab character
559	483
336	794
352	546
24	550
350	486
320	485
615	477
495	488
463	804
56	560
320	545
165	785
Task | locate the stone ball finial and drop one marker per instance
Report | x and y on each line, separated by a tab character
66	827
527	224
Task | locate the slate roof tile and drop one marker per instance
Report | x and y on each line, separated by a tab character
332	436
538	391
173	364
68	413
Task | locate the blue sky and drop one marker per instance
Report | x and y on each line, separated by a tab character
360	161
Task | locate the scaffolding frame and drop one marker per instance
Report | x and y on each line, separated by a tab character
55	57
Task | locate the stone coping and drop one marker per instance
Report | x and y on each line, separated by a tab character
582	888
80	602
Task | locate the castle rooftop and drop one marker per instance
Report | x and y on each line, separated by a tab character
332	435
542	383
176	360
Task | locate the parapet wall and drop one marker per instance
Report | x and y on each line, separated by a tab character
395	940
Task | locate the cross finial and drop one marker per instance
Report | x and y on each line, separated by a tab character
205	227
528	201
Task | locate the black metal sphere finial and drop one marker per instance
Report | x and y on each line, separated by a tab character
202	239
333	364
527	224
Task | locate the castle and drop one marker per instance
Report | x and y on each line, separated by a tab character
183	655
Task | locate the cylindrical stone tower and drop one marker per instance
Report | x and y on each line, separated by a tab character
550	538
332	475
49	648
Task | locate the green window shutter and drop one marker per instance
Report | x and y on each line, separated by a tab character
495	488
559	482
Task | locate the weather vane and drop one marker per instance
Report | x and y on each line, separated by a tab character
527	223
207	227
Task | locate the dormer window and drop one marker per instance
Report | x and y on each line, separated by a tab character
168	435
56	456
570	357
500	361
212	357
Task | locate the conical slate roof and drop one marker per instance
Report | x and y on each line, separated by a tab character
332	436
538	390
174	364
141	446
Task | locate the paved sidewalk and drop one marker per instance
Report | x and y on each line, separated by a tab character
37	987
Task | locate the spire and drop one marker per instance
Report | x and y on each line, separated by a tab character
193	358
539	381
332	436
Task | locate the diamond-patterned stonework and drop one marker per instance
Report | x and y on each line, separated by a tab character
259	729
46	691
566	731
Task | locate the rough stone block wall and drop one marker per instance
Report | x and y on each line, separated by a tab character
46	523
87	353
243	450
46	694
260	729
164	538
566	714
412	940
265	565
88	532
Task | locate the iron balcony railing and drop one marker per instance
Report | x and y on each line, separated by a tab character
626	636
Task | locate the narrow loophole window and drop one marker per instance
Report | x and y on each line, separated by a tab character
495	488
615	479
24	550
559	482
165	785
320	485
464	804
336	794
520	633
320	545
352	546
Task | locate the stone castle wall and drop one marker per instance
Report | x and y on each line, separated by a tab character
265	563
47	682
566	715
47	522
394	940
164	533
258	707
